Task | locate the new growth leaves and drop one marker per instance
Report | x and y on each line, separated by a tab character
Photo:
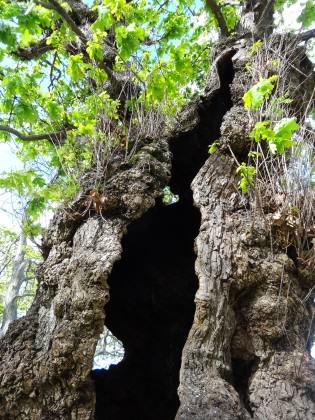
261	91
247	173
279	137
56	75
278	134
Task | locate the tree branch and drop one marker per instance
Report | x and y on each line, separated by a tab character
216	10
34	50
55	138
265	14
305	36
54	5
80	12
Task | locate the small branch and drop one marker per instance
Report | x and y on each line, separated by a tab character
305	36
35	50
216	10
79	12
77	7
52	77
54	5
55	138
162	5
32	295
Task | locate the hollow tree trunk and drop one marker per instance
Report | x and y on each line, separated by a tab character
46	357
238	362
245	354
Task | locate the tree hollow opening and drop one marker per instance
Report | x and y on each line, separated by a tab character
109	350
152	287
151	310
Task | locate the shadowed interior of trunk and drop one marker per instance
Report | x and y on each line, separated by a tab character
242	371
152	287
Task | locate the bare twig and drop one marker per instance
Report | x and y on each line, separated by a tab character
269	5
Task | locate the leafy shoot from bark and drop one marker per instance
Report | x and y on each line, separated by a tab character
282	150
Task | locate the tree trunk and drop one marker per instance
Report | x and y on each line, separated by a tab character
17	278
246	355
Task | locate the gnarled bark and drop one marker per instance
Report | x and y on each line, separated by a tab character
245	355
46	357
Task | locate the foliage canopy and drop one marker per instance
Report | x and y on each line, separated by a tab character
67	65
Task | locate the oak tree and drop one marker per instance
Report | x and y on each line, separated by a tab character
177	135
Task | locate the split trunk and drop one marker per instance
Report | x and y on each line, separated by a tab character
214	314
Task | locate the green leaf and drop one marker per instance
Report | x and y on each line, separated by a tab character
307	17
261	130
32	229
54	109
128	39
255	47
119	8
256	95
104	20
284	131
247	174
76	67
25	112
7	36
279	137
35	207
95	51
286	127
213	147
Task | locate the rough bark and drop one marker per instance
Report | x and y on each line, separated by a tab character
246	354
46	357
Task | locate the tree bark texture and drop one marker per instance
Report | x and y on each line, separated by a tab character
245	355
46	357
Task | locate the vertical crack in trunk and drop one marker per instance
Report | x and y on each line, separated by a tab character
152	287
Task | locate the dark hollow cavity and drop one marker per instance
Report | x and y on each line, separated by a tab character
242	372
152	287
